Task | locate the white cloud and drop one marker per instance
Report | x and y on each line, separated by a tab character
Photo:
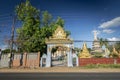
108	31
113	39
112	23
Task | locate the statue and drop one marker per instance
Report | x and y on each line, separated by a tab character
95	35
96	44
85	53
114	53
107	53
114	50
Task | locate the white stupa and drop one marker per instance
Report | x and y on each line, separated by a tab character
96	44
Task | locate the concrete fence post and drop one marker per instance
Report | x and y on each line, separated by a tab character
24	59
38	59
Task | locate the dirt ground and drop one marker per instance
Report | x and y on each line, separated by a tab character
58	69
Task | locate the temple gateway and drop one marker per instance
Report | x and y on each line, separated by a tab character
63	48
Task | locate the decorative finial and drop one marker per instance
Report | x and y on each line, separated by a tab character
95	34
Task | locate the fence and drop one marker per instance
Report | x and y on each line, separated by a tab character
86	61
4	61
31	60
24	60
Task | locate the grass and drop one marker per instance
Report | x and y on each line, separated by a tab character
102	66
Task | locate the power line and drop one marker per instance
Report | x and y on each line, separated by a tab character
4	21
5	15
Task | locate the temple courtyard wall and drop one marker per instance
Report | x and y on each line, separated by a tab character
87	61
21	60
33	60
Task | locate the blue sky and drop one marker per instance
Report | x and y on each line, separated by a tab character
81	17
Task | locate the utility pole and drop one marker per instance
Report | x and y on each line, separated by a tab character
11	42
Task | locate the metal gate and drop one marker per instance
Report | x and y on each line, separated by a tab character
60	60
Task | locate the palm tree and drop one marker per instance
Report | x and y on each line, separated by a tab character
117	45
106	43
103	42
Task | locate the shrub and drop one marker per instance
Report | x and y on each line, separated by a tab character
98	55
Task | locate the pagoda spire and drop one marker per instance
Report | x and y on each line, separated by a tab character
85	53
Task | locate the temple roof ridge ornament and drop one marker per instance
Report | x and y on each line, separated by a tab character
59	33
59	36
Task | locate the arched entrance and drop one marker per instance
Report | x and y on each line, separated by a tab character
59	55
60	41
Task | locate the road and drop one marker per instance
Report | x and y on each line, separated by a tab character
59	76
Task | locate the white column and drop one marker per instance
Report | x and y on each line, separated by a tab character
77	61
41	62
48	59
70	62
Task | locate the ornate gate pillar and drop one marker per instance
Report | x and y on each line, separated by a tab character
69	55
48	59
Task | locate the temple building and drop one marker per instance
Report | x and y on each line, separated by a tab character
85	53
96	44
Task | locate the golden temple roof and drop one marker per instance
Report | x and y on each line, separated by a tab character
85	53
59	36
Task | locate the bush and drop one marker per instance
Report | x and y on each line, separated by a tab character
8	51
98	55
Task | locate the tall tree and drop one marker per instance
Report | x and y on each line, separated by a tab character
29	16
60	21
46	18
117	45
103	42
34	30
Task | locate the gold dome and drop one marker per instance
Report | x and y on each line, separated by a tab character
85	53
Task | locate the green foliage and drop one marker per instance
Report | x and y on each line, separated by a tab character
28	34
98	55
34	30
116	45
8	51
103	42
77	49
60	22
24	10
89	49
102	66
46	18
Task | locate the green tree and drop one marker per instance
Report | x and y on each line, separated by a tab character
117	45
27	34
8	51
34	30
46	18
60	21
103	42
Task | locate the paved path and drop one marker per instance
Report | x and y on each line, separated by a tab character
59	76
